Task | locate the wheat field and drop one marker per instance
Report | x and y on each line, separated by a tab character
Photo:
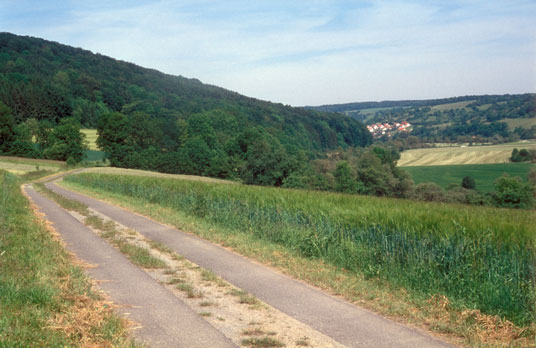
462	155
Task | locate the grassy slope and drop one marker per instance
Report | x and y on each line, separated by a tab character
378	236
520	122
484	174
20	165
436	313
450	106
461	155
46	301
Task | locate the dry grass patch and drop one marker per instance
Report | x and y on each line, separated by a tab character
264	342
460	155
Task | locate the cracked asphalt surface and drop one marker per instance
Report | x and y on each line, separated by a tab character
342	321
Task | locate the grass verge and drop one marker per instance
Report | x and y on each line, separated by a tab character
46	300
435	312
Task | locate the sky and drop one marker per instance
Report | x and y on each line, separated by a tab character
301	52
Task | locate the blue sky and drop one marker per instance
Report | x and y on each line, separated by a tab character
305	52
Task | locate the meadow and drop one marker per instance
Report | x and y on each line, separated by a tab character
484	174
480	258
462	155
21	166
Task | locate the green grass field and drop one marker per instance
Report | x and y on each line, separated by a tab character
484	174
462	155
479	257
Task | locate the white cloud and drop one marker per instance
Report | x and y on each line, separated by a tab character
317	51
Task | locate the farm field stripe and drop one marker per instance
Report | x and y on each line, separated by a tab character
484	174
337	319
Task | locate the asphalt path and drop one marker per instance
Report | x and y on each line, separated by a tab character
165	321
344	322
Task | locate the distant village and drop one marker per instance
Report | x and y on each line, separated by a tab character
381	129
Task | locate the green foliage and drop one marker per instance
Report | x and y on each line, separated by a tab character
523	155
512	192
344	178
477	256
429	192
7	129
48	81
468	182
66	142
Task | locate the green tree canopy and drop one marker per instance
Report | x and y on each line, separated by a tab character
469	183
345	180
66	142
512	192
7	129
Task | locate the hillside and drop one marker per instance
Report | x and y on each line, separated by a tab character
486	118
49	81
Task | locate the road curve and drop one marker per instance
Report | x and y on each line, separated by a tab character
164	319
344	322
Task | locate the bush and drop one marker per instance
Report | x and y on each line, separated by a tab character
523	155
469	183
429	192
512	192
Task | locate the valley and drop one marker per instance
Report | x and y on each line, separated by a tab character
244	222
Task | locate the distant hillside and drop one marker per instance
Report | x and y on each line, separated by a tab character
351	107
485	118
49	81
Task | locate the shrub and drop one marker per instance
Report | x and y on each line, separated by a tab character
512	192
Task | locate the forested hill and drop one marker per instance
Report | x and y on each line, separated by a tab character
48	81
477	100
480	118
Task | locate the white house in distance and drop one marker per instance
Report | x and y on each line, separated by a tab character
379	129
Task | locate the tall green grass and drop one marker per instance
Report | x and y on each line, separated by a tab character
479	257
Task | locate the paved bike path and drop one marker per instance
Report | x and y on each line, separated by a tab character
342	321
165	320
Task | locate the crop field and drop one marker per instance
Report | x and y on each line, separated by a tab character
461	155
450	106
91	138
520	122
94	153
479	257
19	165
484	174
